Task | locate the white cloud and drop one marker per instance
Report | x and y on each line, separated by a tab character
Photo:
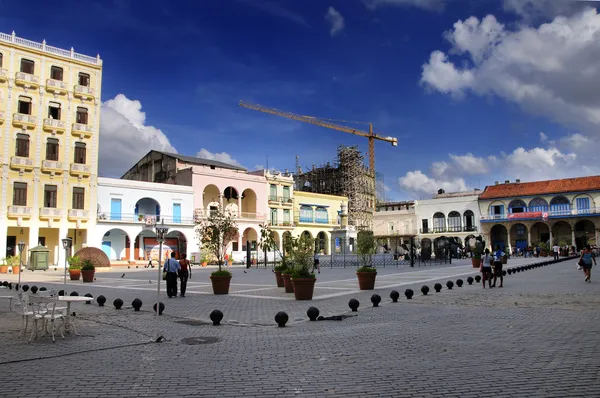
419	183
431	5
218	156
336	20
534	9
470	164
124	138
578	142
551	70
543	137
439	168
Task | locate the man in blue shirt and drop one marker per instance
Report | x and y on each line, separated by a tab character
498	266
171	268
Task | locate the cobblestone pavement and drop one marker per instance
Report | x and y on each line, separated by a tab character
535	337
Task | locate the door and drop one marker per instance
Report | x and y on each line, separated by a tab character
521	244
177	213
11	246
106	248
115	209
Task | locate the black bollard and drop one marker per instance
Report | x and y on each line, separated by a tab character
394	295
312	313
100	300
118	303
409	294
215	316
470	280
353	304
375	299
136	304
425	290
281	318
449	285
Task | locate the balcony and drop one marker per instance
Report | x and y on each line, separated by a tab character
283	224
80	170
274	199
56	86
26	80
78	214
200	214
21	163
3	75
286	201
54	126
50	213
19	212
24	121
1	117
82	130
52	166
542	216
83	92
314	220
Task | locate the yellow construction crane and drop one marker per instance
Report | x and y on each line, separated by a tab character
325	123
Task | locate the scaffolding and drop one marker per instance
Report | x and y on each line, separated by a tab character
346	177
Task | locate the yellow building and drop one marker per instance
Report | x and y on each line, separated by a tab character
49	124
317	215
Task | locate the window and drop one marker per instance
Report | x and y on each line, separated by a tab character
306	214
517	206
520	228
454	221
50	196
56	73
52	149
439	222
22	148
497	210
537	205
54	110
24	105
84	79
80	153
321	215
425	225
273	192
583	205
286	194
273	218
560	205
82	115
78	198
286	216
20	194
27	66
0	60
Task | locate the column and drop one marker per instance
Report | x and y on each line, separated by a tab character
3	233
509	243
573	235
62	233
221	200
551	244
240	209
529	235
141	247
240	245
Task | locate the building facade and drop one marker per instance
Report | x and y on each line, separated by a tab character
564	212
280	188
317	216
394	223
49	124
127	212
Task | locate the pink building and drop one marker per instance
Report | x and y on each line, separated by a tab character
215	184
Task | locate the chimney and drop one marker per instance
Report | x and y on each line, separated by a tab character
497	182
507	181
517	180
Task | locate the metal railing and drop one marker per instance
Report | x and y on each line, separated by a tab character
274	198
438	230
148	219
314	220
202	213
540	214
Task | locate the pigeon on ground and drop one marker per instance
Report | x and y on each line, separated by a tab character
128	267
149	281
273	271
123	276
245	272
94	278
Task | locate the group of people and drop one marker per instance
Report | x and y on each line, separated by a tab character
491	267
175	269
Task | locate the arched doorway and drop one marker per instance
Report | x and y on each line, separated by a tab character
210	198
249	204
560	205
321	243
499	237
115	244
561	233
518	235
439	222
230	201
585	230
469	221
540	233
145	247
285	240
249	237
454	222
538	205
517	206
275	236
426	249
177	243
147	208
441	246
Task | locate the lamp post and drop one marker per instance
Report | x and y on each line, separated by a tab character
21	246
66	242
161	233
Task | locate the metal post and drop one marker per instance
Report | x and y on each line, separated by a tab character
161	232
412	251
66	242
21	245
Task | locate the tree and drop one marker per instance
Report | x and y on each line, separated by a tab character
216	233
366	246
300	253
267	241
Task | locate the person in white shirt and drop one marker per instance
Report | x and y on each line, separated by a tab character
172	267
486	268
556	250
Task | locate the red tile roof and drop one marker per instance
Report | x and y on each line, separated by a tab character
579	184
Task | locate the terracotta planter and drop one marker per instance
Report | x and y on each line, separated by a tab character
74	274
543	254
16	269
230	262
220	284
476	262
3	269
279	279
204	264
287	283
366	280
88	275
304	288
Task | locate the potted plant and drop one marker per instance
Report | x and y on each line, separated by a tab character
267	243
303	280
544	249
140	217
286	278
3	266
74	267
87	270
365	248
216	233
476	259
230	259
13	263
562	250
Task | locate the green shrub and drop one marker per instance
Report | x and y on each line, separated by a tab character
366	269
87	265
222	272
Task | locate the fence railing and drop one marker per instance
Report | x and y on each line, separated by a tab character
143	218
540	214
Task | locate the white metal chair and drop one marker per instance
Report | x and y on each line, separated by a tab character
44	311
23	308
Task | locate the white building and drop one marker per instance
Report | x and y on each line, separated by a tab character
127	211
452	215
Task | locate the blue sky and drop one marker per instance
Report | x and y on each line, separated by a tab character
470	100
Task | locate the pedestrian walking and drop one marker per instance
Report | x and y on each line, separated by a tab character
498	266
586	260
185	272
171	268
316	263
556	250
486	268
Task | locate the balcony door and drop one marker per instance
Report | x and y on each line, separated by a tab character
177	213
115	209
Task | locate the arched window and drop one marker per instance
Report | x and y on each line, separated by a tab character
306	214
559	205
517	206
538	204
454	222
321	215
439	222
469	221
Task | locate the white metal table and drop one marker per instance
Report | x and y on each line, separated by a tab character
72	299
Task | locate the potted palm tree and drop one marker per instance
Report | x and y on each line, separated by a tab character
303	279
13	263
215	233
87	270
476	259
267	242
74	268
3	266
366	247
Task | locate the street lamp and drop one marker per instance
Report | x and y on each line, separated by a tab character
161	233
21	246
66	242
